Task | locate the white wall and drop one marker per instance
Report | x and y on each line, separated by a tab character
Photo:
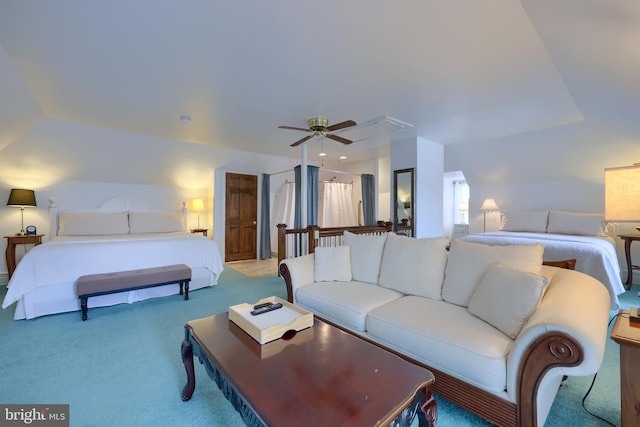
561	168
84	166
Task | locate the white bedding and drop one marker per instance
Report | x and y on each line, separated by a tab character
595	256
44	280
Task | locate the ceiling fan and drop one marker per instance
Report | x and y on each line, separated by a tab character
318	126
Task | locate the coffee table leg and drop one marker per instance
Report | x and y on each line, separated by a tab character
428	417
187	360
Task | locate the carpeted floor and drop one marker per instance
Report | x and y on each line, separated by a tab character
122	367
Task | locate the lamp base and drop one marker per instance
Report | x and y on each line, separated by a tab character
21	233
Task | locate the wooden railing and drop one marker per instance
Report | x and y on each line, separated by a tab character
296	242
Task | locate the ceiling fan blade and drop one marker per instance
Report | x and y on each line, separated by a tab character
293	128
300	141
339	138
341	125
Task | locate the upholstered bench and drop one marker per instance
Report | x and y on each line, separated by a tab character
108	283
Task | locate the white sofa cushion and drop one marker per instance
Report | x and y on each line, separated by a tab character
529	221
346	303
469	261
506	298
446	337
366	255
414	266
333	264
586	224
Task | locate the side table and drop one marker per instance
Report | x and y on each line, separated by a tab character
12	242
628	238
627	334
200	230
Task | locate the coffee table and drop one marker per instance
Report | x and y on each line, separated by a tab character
320	376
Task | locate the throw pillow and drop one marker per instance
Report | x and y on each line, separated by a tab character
366	255
506	298
585	224
531	221
333	264
469	261
414	266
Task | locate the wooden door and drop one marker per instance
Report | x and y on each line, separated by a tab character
241	217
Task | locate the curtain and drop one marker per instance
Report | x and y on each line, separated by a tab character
283	211
297	223
368	198
337	207
264	250
312	195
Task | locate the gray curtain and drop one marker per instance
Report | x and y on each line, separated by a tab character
265	225
297	222
312	195
368	199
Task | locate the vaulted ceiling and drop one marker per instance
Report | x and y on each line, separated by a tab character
457	70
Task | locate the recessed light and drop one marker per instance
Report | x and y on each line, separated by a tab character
342	157
185	118
322	154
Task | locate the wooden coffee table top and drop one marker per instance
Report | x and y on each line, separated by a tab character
322	375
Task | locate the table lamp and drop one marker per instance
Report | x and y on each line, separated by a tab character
487	206
198	206
21	198
622	194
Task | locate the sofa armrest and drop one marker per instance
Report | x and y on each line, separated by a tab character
565	336
297	272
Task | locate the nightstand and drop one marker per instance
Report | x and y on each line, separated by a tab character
627	334
199	230
12	242
628	238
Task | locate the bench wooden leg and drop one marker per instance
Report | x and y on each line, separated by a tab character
84	307
186	289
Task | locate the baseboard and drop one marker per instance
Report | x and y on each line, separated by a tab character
4	279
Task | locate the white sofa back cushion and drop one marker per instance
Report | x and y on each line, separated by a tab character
332	264
468	262
366	255
506	298
414	266
92	223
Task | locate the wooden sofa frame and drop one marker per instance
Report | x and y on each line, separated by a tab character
551	350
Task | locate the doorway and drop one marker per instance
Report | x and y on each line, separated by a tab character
241	222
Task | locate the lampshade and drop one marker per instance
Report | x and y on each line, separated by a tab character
198	205
489	205
21	197
622	194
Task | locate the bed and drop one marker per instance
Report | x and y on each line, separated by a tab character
102	241
565	235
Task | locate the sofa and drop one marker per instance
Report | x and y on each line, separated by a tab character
498	329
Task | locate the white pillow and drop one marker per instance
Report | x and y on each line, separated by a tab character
531	221
333	264
469	261
366	255
586	224
506	298
92	223
155	222
414	266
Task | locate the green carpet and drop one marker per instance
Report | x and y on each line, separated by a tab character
122	367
